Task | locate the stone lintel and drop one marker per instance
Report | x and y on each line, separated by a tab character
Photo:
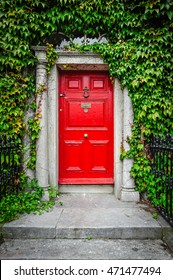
83	67
70	57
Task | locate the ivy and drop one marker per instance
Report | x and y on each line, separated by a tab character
26	201
51	56
138	51
14	94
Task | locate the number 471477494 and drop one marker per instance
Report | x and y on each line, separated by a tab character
134	270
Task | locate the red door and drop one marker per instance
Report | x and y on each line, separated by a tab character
86	128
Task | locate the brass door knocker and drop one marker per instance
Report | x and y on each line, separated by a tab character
86	93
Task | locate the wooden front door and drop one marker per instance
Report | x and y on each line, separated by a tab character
85	128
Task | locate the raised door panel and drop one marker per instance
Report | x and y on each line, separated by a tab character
99	83
72	83
82	114
99	160
73	162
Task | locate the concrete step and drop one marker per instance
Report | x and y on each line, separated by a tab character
86	189
83	249
90	216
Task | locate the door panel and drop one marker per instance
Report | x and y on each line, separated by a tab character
86	128
85	114
99	156
99	83
72	152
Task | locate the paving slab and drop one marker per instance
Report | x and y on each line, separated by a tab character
69	249
109	223
33	225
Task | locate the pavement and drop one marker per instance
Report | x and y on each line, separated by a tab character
89	226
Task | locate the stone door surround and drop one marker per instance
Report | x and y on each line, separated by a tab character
47	144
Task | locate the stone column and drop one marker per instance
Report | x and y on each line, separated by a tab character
27	142
118	128
128	193
42	142
53	125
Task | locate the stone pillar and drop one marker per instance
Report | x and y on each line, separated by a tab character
53	125
118	128
27	142
42	142
128	193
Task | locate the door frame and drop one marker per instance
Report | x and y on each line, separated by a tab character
47	144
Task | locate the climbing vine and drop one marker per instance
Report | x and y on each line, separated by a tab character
51	56
26	201
138	51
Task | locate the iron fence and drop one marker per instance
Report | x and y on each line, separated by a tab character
10	165
161	152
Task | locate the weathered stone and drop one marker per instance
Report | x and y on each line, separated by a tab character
128	192
95	215
83	249
42	142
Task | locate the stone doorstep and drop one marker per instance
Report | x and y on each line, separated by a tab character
86	189
83	233
81	224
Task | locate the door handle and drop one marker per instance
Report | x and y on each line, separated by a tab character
85	135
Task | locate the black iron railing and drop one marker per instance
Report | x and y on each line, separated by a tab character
161	152
10	165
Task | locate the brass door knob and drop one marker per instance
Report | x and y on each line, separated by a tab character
85	135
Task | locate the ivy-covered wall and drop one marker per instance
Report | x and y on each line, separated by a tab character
138	51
